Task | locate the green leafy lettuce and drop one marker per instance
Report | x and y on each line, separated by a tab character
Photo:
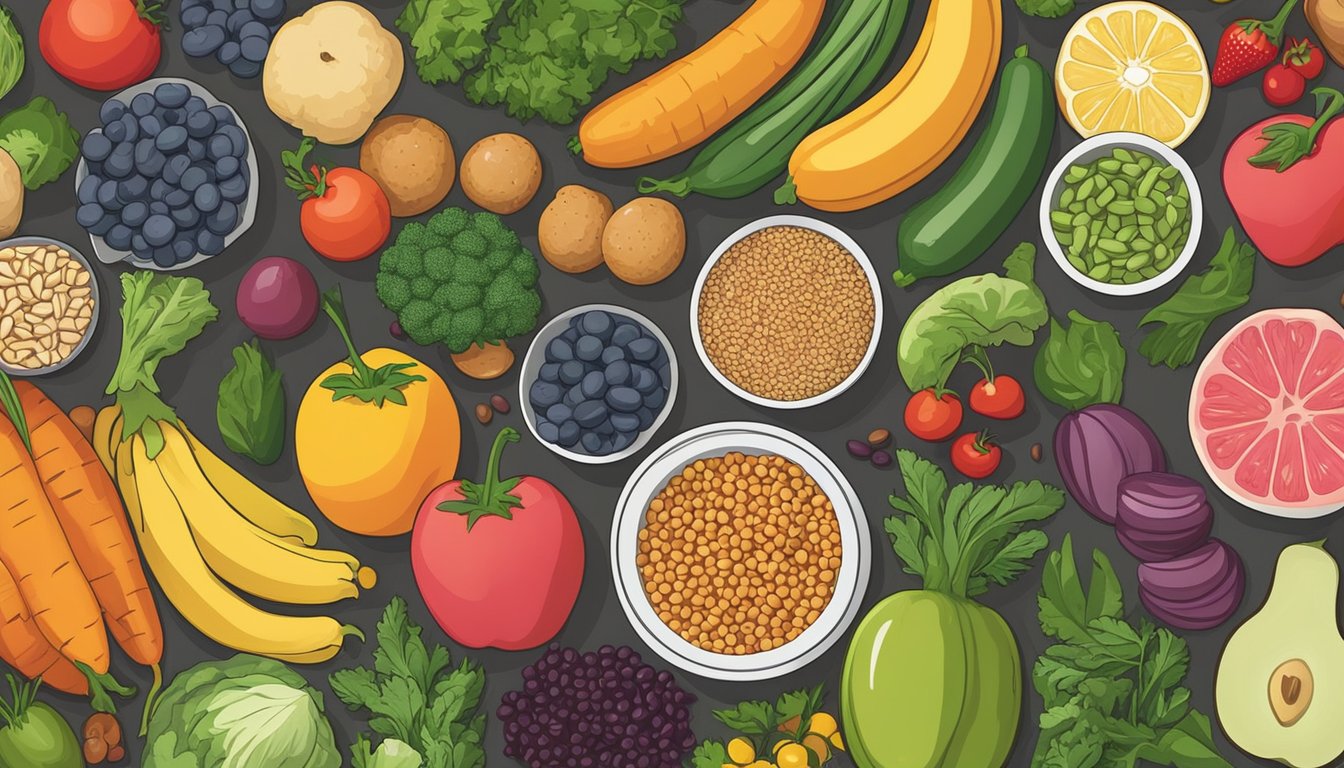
1046	9
11	52
251	406
1184	318
1113	691
417	698
159	315
959	540
982	311
40	140
539	57
1082	364
244	712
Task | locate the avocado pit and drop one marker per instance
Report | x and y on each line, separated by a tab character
1290	689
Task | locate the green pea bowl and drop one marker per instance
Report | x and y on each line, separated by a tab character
1122	214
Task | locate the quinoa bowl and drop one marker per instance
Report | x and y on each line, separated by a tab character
799	459
787	312
44	331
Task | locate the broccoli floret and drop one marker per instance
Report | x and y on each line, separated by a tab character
458	280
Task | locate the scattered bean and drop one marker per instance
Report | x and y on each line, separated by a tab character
83	416
881	459
500	404
859	449
102	739
1036	452
879	438
396	330
483	413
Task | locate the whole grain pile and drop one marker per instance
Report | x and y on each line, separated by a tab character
786	313
47	300
739	554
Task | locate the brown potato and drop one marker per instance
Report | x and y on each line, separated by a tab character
570	229
412	159
501	173
644	241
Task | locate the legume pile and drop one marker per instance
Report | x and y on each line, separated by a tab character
47	302
1122	218
596	710
786	313
739	554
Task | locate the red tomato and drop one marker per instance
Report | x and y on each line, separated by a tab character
1283	85
1000	398
1304	57
345	215
499	563
933	417
105	45
976	455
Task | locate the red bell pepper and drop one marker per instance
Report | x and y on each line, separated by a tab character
1285	180
499	563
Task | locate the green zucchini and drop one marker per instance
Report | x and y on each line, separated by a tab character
945	233
751	152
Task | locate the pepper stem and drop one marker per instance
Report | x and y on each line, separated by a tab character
492	497
1329	102
333	304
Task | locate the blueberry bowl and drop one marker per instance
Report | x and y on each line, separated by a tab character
170	180
597	382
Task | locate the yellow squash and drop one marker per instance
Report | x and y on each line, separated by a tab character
375	433
896	138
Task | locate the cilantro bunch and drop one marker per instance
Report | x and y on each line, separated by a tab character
538	57
420	704
765	726
1113	691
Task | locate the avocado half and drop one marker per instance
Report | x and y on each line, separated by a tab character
1280	684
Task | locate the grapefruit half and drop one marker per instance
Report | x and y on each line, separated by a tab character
1267	413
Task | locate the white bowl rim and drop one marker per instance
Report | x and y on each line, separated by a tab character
752	438
95	294
846	242
535	349
1148	144
246	215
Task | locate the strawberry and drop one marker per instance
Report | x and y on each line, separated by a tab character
1304	58
1248	46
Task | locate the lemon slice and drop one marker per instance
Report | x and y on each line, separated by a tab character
1132	66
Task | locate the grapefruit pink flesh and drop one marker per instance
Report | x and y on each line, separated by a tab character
1267	413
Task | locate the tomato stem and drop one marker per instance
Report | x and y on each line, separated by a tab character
1288	142
1271	28
491	497
979	357
984	442
150	13
308	180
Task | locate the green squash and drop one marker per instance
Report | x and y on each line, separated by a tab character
35	735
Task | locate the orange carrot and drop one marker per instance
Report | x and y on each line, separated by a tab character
35	550
690	99
89	510
23	647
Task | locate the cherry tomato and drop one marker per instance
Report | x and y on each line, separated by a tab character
1283	85
933	417
1304	57
998	398
976	455
345	215
105	45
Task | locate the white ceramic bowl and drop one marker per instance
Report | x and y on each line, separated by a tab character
815	225
1101	145
536	357
756	439
94	294
246	214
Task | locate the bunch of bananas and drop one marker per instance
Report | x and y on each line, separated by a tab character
202	527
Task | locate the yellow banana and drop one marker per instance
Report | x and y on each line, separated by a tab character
242	554
251	502
892	141
203	600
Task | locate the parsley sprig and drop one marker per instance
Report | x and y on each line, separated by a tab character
415	697
1113	691
763	724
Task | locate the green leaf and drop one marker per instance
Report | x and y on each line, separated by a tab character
1184	318
710	754
754	718
1081	365
40	140
12	56
1046	9
357	688
984	311
251	406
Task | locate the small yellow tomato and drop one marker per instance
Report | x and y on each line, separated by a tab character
792	755
761	764
818	746
837	743
741	751
822	724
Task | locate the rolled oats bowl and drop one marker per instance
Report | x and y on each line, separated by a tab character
48	305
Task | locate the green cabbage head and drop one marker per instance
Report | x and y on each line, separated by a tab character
246	712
